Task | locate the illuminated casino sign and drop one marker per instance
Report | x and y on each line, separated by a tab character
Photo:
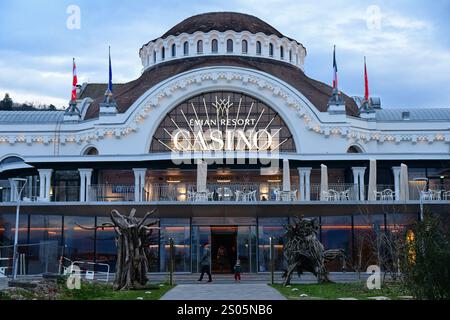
222	121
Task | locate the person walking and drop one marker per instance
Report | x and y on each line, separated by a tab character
205	262
237	271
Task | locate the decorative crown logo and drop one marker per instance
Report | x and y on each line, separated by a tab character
222	105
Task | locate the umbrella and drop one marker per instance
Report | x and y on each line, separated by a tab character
404	183
202	171
372	180
286	176
323	181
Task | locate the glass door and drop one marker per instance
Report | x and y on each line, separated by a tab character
246	248
200	236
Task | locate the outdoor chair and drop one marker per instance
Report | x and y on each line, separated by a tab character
435	194
330	195
277	193
446	195
345	195
294	195
386	195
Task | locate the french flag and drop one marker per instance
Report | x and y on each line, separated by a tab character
335	70
74	82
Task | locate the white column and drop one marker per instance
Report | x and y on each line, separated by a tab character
308	184
85	183
305	183
139	183
45	178
396	171
358	180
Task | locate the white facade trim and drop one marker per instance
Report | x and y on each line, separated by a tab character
151	53
307	124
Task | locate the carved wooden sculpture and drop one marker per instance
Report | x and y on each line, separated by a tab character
304	252
132	234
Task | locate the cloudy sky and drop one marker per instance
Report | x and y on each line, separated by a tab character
406	42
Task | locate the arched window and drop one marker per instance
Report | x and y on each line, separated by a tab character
282	53
290	55
214	46
354	149
186	48
174	50
154	56
244	47
230	46
199	46
271	50
258	48
163	53
92	151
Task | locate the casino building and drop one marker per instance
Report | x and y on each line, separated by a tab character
226	135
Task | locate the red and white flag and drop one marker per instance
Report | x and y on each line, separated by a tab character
366	82
74	82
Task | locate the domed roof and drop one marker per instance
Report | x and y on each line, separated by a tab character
222	21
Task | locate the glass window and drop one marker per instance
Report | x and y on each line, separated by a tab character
275	228
199	46
79	243
230	46
105	245
244	47
186	48
163	53
7	233
366	229
336	233
271	49
282	53
154	56
174	50
66	186
7	229
290	55
179	231
214	46
46	239
258	48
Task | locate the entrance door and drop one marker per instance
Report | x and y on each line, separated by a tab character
223	248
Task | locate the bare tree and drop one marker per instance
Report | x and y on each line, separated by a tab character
132	235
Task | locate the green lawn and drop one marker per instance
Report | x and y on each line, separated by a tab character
98	291
333	291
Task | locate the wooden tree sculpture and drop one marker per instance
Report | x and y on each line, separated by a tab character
132	237
304	252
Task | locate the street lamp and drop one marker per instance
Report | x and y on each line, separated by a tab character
16	233
421	185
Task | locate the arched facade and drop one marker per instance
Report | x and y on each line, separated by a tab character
253	124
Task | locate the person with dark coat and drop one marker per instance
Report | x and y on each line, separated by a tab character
205	262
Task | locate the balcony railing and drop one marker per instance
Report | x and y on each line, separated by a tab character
228	192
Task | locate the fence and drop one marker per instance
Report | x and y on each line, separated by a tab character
32	259
227	191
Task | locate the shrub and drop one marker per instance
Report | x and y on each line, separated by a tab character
426	260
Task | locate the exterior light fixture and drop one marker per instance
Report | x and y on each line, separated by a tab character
223	181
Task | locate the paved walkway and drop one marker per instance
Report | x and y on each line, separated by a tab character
215	291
